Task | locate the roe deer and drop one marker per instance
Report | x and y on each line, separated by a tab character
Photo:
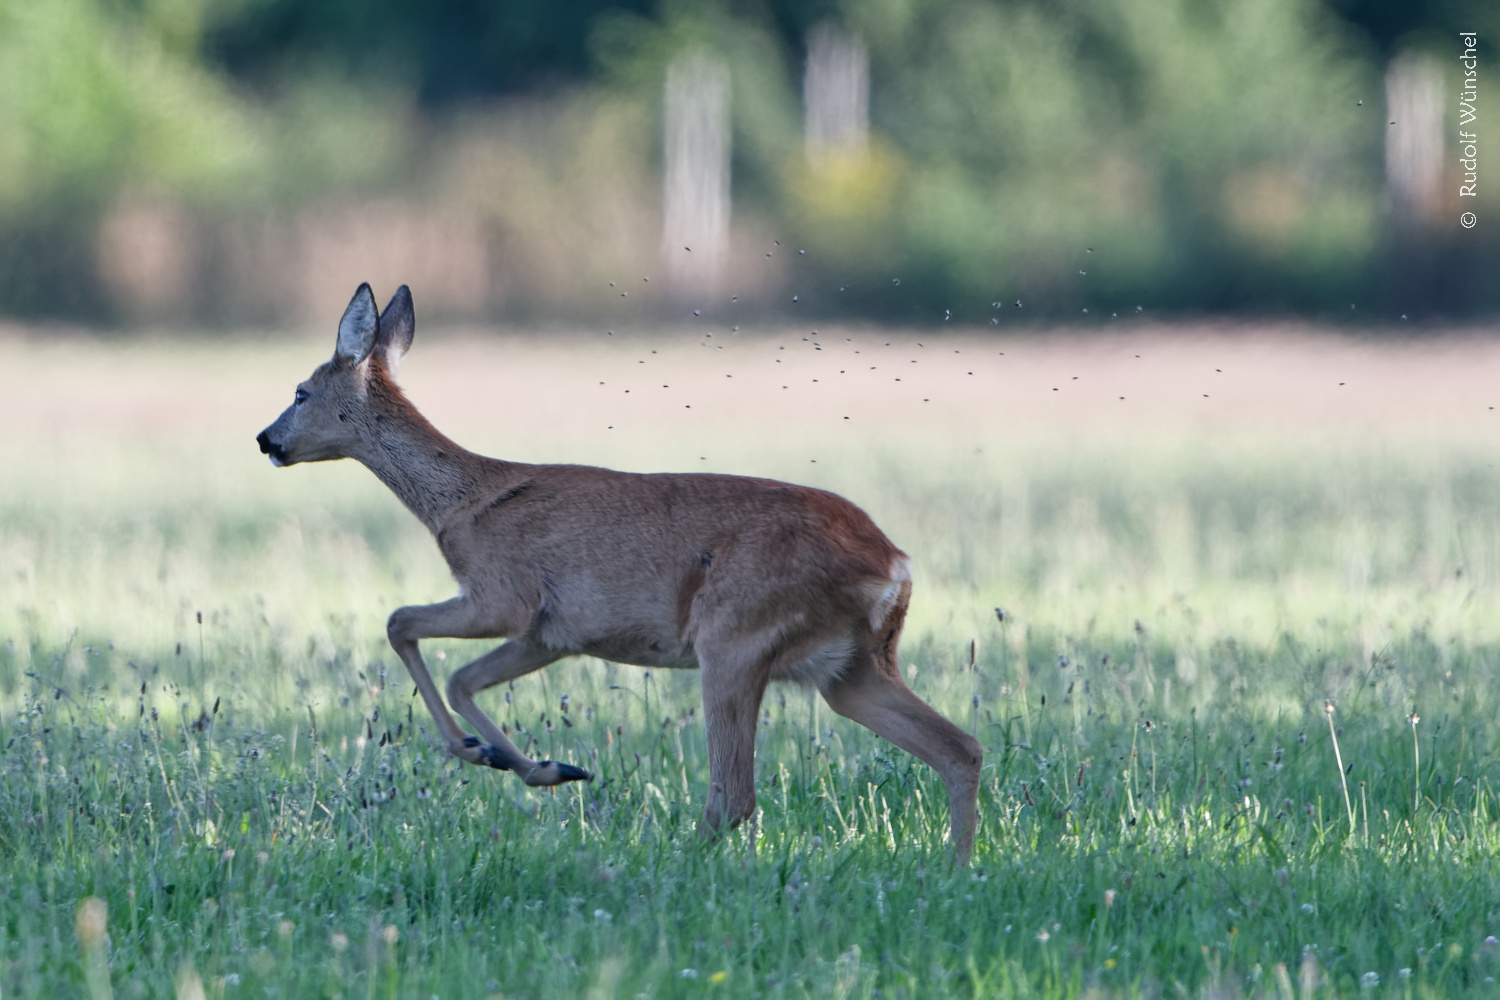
749	580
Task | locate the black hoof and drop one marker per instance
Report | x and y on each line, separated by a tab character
488	755
567	772
551	772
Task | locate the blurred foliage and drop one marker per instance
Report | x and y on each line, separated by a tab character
1391	24
1131	127
1212	153
92	101
445	50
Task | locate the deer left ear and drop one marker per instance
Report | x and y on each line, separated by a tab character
398	325
359	327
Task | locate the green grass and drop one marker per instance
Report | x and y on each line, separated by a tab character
256	799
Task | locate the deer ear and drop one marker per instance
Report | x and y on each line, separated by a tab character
359	327
398	325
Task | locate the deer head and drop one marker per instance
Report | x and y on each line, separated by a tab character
331	416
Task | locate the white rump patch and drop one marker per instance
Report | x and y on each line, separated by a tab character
886	601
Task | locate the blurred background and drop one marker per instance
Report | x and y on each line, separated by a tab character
216	163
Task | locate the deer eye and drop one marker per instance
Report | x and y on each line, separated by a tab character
301	396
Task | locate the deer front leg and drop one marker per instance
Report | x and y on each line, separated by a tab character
455	619
732	691
514	659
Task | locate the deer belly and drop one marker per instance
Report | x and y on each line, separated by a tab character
642	652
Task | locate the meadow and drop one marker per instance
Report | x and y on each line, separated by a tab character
1223	605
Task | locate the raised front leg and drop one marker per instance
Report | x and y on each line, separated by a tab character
451	619
516	658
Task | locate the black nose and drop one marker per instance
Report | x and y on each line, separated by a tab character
264	440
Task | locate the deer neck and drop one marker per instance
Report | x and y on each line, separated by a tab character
426	470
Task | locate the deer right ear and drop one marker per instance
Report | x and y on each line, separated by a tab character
358	328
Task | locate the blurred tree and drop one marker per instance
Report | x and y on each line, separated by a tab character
94	99
446	50
1392	23
1210	151
1189	143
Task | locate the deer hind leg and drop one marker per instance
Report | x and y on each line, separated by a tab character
516	658
872	693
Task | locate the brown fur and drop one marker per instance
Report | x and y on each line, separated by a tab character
750	580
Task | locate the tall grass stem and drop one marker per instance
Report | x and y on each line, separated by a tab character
1416	765
1339	759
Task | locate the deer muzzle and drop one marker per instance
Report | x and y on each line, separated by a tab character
269	447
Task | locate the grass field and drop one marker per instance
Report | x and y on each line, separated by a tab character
214	780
